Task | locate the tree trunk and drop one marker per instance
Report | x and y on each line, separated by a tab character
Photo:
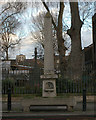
61	47
6	53
76	50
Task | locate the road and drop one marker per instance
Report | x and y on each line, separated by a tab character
50	116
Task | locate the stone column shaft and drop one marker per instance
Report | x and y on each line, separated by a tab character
49	78
48	46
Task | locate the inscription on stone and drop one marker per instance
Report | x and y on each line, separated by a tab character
49	85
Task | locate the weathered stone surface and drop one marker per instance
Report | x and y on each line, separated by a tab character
49	83
48	46
53	76
49	88
70	101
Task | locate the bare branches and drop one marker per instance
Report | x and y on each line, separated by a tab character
4	10
50	14
7	31
8	17
86	10
12	8
8	42
9	24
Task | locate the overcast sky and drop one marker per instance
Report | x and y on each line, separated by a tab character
28	44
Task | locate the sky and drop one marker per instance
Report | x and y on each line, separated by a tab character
28	44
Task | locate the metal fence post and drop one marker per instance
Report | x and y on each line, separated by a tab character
9	99
84	99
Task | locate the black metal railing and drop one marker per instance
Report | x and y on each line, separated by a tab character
29	82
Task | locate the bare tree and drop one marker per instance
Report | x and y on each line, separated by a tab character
75	34
37	31
78	18
38	28
8	38
9	24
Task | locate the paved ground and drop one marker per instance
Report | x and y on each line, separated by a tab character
17	112
50	116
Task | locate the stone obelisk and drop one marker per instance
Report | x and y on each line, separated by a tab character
49	78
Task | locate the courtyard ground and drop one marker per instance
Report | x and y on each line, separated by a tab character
20	108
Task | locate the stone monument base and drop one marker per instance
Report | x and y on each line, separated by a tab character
49	85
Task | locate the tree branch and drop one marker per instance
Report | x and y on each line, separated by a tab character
50	14
8	17
4	10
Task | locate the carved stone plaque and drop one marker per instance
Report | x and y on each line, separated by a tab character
49	85
49	88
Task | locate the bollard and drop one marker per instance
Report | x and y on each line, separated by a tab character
84	100
9	100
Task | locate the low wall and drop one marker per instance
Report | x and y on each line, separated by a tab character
48	101
70	101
